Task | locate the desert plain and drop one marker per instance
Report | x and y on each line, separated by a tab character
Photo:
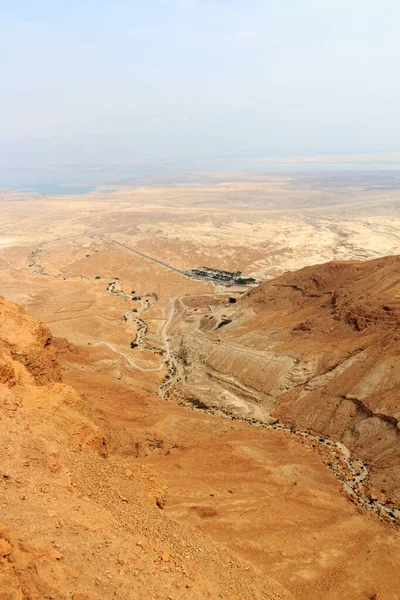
109	273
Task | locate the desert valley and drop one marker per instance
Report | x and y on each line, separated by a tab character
199	386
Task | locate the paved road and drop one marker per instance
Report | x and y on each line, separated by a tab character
160	262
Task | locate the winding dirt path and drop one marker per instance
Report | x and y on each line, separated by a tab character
163	337
169	313
38	269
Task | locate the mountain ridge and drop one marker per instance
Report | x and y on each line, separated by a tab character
318	348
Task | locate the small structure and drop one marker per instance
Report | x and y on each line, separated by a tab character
232	300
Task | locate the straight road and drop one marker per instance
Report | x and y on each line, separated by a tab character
156	260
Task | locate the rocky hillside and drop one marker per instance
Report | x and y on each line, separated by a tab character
76	523
319	349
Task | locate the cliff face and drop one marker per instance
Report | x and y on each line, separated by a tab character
76	522
26	340
319	348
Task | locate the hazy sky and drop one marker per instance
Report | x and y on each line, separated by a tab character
95	80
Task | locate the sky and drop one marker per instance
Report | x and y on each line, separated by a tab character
94	81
